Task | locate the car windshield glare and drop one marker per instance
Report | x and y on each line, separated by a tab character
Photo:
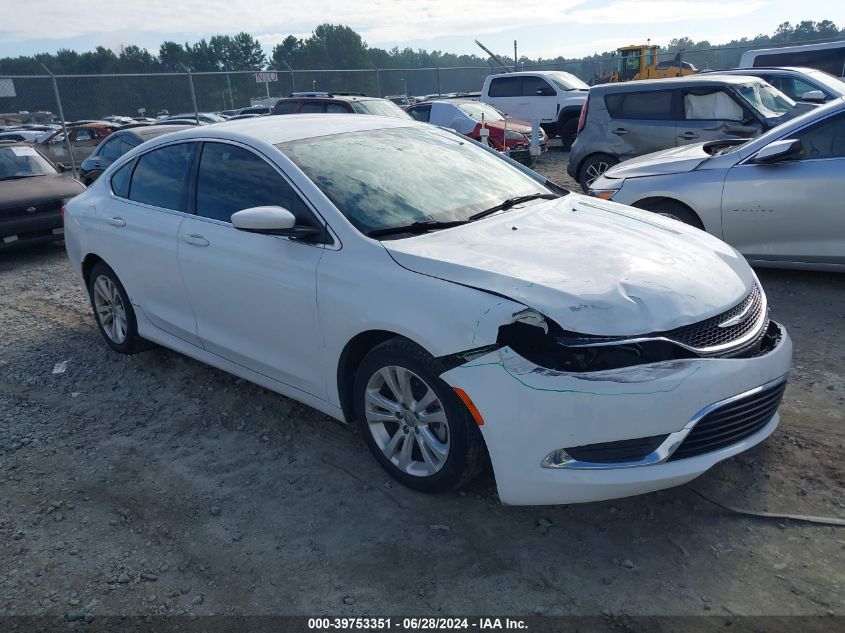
389	178
21	162
566	81
481	111
379	107
766	99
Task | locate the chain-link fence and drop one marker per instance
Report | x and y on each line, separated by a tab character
34	99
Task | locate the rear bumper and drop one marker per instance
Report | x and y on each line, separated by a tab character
530	411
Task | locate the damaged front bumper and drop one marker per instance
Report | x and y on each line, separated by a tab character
532	414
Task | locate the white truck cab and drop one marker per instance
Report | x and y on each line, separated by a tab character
554	97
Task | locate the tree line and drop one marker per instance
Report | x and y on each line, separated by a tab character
328	47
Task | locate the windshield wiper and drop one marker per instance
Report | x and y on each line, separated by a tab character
19	176
415	228
512	202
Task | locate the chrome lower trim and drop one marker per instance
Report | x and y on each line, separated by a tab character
669	445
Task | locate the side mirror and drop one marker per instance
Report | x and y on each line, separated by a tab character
813	96
779	151
271	221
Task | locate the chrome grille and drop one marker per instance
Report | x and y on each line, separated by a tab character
707	334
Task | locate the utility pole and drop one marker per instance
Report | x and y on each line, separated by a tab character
514	55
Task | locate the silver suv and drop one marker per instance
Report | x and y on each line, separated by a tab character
620	121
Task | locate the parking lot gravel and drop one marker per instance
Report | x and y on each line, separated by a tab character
156	485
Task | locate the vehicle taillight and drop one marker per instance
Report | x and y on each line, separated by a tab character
582	119
62	211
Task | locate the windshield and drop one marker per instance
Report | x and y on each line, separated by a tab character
389	178
381	107
834	84
475	111
566	81
766	99
22	162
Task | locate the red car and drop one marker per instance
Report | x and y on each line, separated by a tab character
467	117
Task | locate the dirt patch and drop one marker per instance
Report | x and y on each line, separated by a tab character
154	484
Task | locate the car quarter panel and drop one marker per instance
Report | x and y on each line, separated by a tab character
530	411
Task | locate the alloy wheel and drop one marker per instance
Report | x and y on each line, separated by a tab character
110	310
595	171
407	421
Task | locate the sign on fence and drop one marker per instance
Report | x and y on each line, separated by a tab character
263	78
7	88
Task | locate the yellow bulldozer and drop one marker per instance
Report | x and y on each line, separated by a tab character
631	63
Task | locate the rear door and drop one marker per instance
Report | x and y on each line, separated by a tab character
505	94
792	210
709	114
640	122
138	229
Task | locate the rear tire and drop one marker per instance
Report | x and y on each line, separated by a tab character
593	168
674	210
567	130
415	424
113	311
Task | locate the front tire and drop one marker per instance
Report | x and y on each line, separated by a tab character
415	425
593	168
113	311
674	210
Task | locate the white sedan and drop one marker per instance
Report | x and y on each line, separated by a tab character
455	305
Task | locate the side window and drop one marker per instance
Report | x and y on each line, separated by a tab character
111	150
336	108
285	107
536	87
161	177
120	180
421	113
800	88
125	146
824	140
231	179
654	105
505	87
711	106
312	106
83	135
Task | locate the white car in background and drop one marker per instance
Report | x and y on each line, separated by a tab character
452	303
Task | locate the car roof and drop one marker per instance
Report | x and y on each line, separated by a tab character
151	131
331	97
291	127
522	73
789	69
676	82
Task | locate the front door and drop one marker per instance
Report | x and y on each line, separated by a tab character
254	295
792	210
713	114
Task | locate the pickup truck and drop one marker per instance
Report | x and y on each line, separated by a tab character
554	97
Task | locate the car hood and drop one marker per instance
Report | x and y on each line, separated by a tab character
668	161
16	193
592	266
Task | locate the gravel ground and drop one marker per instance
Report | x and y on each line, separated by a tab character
154	484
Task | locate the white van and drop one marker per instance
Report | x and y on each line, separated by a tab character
829	57
554	97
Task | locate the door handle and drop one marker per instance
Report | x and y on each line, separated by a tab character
688	135
620	131
116	221
195	240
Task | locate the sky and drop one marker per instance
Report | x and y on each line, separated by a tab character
543	28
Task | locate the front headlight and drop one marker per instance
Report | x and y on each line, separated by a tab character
604	194
513	135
